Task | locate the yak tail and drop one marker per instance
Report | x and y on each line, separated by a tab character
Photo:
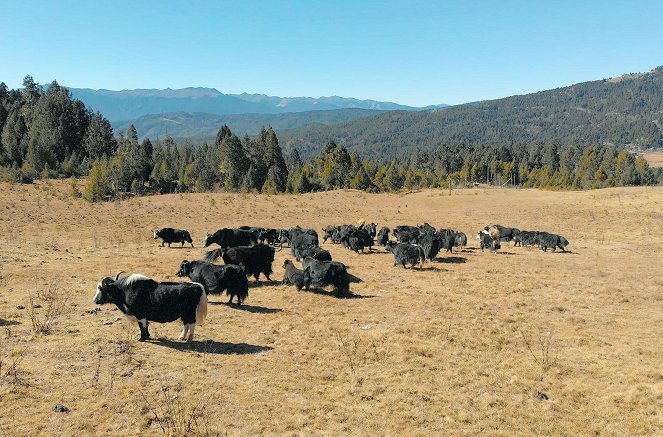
422	255
201	309
213	255
306	278
243	291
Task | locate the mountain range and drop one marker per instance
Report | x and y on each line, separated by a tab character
131	104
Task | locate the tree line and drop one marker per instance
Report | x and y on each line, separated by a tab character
46	133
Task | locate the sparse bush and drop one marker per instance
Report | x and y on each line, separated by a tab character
177	418
46	308
74	191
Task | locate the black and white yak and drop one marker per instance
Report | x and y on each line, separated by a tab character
145	300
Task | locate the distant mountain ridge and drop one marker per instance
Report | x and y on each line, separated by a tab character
205	126
131	104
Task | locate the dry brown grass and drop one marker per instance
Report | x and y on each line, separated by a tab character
466	346
655	159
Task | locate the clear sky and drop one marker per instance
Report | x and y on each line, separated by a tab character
409	52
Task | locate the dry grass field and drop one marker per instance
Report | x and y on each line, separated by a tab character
655	159
516	343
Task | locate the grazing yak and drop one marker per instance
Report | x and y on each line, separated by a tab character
322	273
301	243
488	241
460	239
357	239
430	244
526	238
502	233
383	236
231	238
216	279
406	254
145	300
170	235
447	239
316	252
407	234
287	235
254	260
554	241
293	275
371	228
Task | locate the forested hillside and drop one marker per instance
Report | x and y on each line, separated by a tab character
622	112
47	133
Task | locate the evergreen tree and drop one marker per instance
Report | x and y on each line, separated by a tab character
277	171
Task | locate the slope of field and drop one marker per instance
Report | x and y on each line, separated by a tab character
655	159
516	343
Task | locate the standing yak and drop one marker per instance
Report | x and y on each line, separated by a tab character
145	300
216	279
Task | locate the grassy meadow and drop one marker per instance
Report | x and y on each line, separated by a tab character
515	343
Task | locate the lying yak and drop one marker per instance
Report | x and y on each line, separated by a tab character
145	300
216	279
406	254
170	235
293	275
323	273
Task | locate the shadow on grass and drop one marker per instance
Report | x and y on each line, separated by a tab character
4	322
347	295
213	347
249	308
452	260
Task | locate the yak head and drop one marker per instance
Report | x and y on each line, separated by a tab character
156	234
208	240
185	269
106	290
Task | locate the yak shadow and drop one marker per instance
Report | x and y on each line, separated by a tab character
507	253
452	260
354	279
427	268
178	247
348	295
4	322
213	347
251	308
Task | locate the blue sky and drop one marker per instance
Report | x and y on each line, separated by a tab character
410	52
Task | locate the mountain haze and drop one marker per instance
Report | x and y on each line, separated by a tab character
205	126
131	104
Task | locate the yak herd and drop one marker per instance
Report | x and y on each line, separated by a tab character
249	251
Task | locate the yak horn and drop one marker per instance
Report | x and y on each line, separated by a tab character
118	274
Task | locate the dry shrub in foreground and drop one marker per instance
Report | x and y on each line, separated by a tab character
175	417
46	308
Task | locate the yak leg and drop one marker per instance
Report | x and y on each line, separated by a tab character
144	332
185	330
192	327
